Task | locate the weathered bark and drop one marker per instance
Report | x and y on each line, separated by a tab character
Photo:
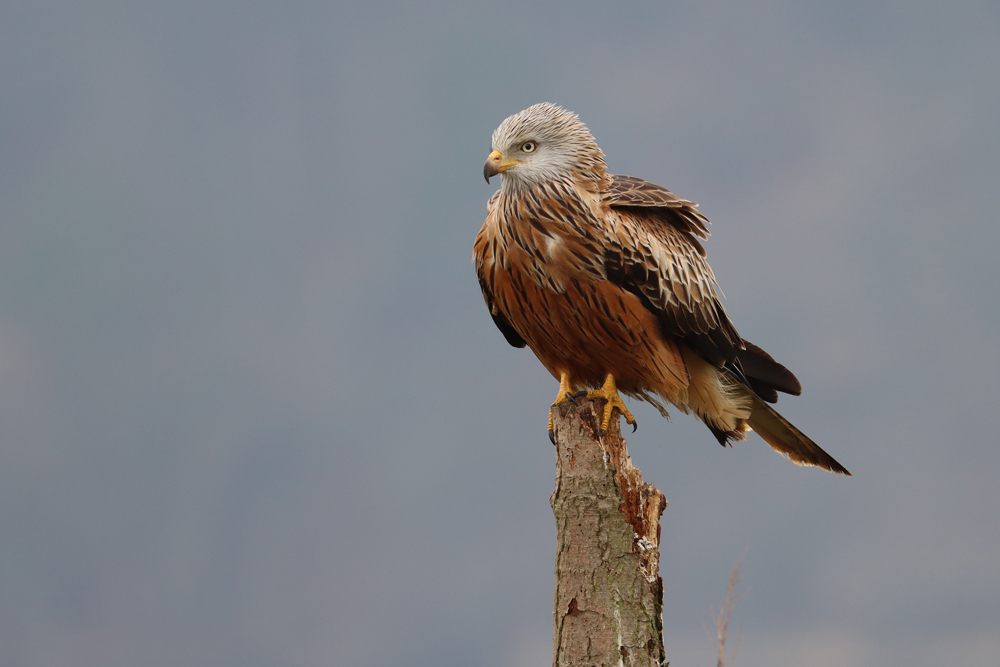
608	594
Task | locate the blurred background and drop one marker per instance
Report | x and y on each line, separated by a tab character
253	411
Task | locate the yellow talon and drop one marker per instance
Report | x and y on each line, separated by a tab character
561	397
609	392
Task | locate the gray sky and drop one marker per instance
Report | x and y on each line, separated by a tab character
253	411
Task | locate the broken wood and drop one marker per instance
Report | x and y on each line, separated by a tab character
608	592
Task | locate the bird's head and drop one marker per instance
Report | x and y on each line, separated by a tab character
543	143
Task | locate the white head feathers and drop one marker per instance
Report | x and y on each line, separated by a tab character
548	143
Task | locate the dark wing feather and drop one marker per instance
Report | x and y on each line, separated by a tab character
764	375
661	265
629	192
503	325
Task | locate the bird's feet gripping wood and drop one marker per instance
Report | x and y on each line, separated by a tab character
561	397
609	392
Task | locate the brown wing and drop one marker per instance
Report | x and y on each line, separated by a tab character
631	192
664	266
654	254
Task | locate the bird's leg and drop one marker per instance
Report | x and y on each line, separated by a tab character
609	392
561	397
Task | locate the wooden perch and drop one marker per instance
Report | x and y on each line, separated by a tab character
608	594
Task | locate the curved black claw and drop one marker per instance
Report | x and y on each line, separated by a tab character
552	436
579	394
635	426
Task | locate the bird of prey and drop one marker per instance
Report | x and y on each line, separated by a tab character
604	278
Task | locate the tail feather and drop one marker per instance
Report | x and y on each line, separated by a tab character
789	441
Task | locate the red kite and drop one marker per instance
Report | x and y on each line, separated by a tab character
603	277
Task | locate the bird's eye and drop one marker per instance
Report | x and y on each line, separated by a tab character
528	146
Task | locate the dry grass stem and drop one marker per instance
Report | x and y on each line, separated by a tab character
722	615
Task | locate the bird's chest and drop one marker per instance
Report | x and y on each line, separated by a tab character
542	277
547	253
586	327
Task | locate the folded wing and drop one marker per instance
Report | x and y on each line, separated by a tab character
653	252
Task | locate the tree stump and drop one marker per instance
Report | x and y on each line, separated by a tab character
608	592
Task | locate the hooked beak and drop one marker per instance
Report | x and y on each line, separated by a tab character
495	165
